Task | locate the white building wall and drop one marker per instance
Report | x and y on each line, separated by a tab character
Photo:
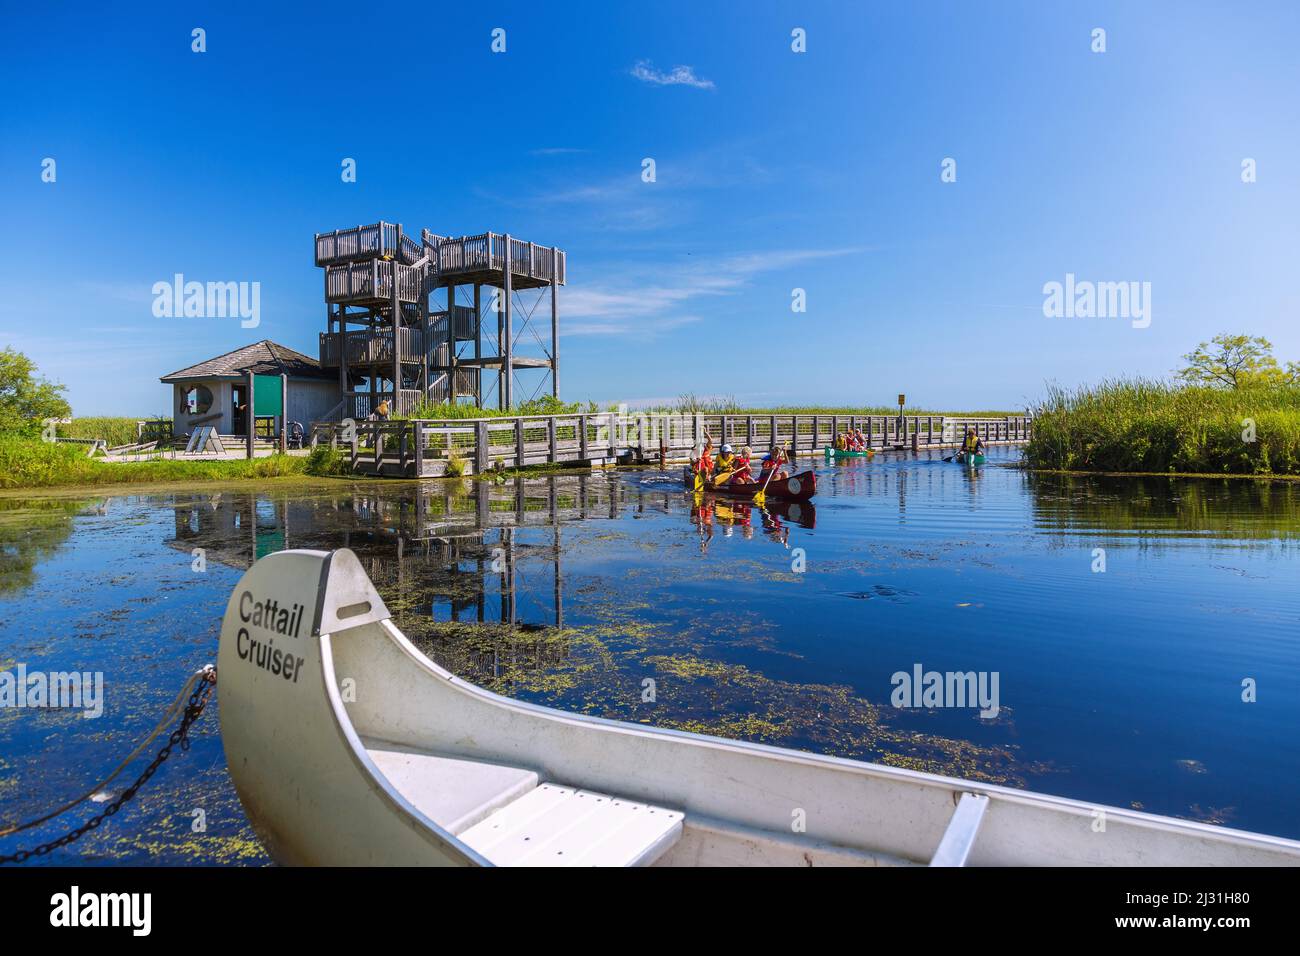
309	399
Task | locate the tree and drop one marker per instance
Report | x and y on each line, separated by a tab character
1233	361
25	399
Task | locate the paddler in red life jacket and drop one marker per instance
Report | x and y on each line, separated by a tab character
775	458
743	474
704	464
862	440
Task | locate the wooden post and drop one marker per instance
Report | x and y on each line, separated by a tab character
248	419
582	437
417	431
555	322
480	447
613	437
519	443
551	441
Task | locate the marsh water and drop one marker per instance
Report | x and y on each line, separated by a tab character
1143	632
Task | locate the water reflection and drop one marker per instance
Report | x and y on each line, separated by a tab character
573	590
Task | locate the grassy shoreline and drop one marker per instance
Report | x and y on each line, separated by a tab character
27	463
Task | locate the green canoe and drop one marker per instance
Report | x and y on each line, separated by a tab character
964	459
836	453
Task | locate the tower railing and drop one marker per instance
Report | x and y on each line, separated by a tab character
372	281
488	252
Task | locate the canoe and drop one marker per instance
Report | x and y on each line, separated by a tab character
964	459
798	487
349	747
837	453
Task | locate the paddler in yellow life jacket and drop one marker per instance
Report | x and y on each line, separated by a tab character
725	464
972	444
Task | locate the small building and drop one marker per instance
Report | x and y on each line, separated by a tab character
215	392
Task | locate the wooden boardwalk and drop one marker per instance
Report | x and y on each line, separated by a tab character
422	448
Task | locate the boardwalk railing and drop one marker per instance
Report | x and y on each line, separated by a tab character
422	448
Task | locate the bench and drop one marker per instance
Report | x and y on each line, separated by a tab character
513	819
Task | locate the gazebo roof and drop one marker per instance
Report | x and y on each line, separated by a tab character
262	358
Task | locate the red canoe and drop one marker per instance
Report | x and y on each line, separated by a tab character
798	487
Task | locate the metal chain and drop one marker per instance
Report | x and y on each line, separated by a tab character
180	736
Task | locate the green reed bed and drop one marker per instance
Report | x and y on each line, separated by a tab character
1137	425
115	430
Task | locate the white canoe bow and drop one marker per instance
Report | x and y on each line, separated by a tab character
347	746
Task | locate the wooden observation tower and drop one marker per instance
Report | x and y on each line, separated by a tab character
389	344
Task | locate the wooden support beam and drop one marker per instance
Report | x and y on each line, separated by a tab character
451	342
248	417
507	369
555	322
284	413
478	343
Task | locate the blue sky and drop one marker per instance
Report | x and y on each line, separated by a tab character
775	171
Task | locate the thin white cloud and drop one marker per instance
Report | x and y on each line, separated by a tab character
556	151
677	76
648	309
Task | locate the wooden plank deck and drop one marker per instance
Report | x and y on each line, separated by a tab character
421	448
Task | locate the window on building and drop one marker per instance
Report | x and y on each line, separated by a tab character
196	400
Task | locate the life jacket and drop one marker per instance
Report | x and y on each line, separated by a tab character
725	462
971	443
742	471
705	464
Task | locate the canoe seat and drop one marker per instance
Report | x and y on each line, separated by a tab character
561	826
456	794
